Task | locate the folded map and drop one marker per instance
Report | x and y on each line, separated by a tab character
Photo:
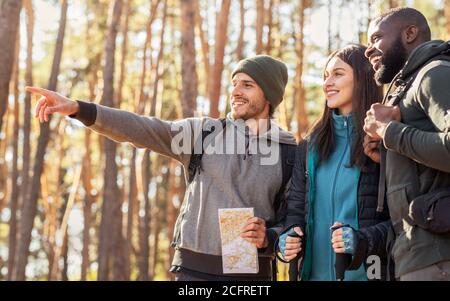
238	255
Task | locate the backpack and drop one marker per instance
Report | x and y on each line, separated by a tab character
287	154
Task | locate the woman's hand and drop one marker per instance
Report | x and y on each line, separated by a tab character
290	246
343	239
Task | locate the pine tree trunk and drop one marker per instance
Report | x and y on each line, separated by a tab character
64	255
240	46
259	26
302	121
203	34
146	166
87	174
124	53
30	204
269	27
25	173
120	85
158	66
188	62
9	27
56	189
144	220
87	216
217	68
132	202
87	205
111	222
59	249
148	38
15	172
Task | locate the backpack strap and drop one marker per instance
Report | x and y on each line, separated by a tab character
195	164
287	157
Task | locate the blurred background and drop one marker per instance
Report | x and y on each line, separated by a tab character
75	206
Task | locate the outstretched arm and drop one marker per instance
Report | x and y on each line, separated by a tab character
170	138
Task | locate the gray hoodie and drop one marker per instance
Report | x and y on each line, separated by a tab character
225	181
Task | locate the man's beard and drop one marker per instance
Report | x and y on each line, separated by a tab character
252	111
391	63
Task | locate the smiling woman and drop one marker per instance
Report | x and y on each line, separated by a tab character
349	89
336	163
338	85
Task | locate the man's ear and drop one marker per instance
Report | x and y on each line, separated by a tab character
410	34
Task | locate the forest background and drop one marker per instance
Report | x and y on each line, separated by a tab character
75	206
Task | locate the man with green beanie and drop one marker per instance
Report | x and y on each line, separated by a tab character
242	161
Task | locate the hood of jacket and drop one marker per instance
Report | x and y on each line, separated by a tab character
422	54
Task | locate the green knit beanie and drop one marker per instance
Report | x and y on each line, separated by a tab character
269	73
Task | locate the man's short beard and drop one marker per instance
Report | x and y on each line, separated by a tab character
391	63
252	111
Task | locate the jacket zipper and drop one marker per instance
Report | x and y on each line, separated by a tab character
333	276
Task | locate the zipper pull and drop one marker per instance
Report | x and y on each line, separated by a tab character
345	121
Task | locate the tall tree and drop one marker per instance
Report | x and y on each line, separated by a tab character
145	221
188	62
15	170
124	52
203	34
59	250
300	110
87	170
25	173
143	96
260	12
54	175
9	26
30	204
119	98
143	225
285	114
240	45
269	13
217	68
88	201
111	221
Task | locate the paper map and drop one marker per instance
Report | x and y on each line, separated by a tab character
238	255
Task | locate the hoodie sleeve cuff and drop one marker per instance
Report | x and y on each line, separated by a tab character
87	113
392	133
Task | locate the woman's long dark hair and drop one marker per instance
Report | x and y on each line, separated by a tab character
365	93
